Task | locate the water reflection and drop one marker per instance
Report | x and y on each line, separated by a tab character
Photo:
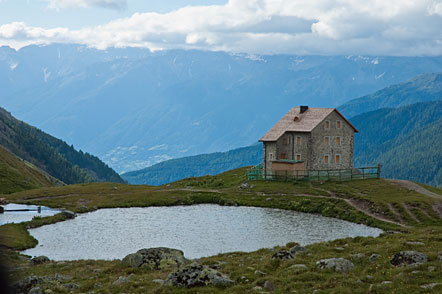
14	213
198	230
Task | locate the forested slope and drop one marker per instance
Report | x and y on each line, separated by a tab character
195	166
51	154
422	88
406	141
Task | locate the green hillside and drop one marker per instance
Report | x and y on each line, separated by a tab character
18	175
195	166
406	141
51	154
426	87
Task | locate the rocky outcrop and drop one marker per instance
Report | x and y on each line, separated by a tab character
155	258
26	284
407	258
195	275
68	214
39	260
283	254
341	265
297	249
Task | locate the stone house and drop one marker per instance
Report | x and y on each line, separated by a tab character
307	138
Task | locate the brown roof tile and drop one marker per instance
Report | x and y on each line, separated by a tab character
305	122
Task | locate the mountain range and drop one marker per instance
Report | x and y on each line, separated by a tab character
405	140
47	154
134	108
425	87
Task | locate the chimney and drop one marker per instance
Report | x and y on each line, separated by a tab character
303	109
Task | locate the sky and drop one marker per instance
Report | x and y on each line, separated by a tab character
303	27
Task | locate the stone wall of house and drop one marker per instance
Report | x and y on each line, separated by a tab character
269	153
288	145
319	149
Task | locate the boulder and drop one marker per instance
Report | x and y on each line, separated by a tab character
341	265
269	286
68	214
195	275
373	257
39	260
24	285
155	258
299	268
297	249
35	290
71	286
407	258
358	256
120	280
283	254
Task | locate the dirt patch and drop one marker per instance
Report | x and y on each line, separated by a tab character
437	207
407	210
396	213
415	187
365	207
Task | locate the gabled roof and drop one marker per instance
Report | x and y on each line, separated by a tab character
294	121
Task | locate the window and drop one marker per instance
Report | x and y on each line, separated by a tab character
298	157
337	158
327	140
298	140
271	156
283	156
338	124
338	140
327	124
326	159
284	141
290	141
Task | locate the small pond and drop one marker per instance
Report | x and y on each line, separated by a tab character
198	230
29	212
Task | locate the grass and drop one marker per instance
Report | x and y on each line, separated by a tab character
327	198
19	175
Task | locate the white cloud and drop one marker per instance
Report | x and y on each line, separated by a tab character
63	4
390	27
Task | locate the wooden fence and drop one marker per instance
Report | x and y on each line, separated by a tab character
257	173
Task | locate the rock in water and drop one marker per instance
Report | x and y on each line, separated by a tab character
155	258
195	275
405	258
341	265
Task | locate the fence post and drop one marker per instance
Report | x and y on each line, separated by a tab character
351	174
379	170
363	173
328	175
340	176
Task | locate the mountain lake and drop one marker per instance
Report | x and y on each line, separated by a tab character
198	230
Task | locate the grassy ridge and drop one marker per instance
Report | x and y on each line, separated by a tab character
17	175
